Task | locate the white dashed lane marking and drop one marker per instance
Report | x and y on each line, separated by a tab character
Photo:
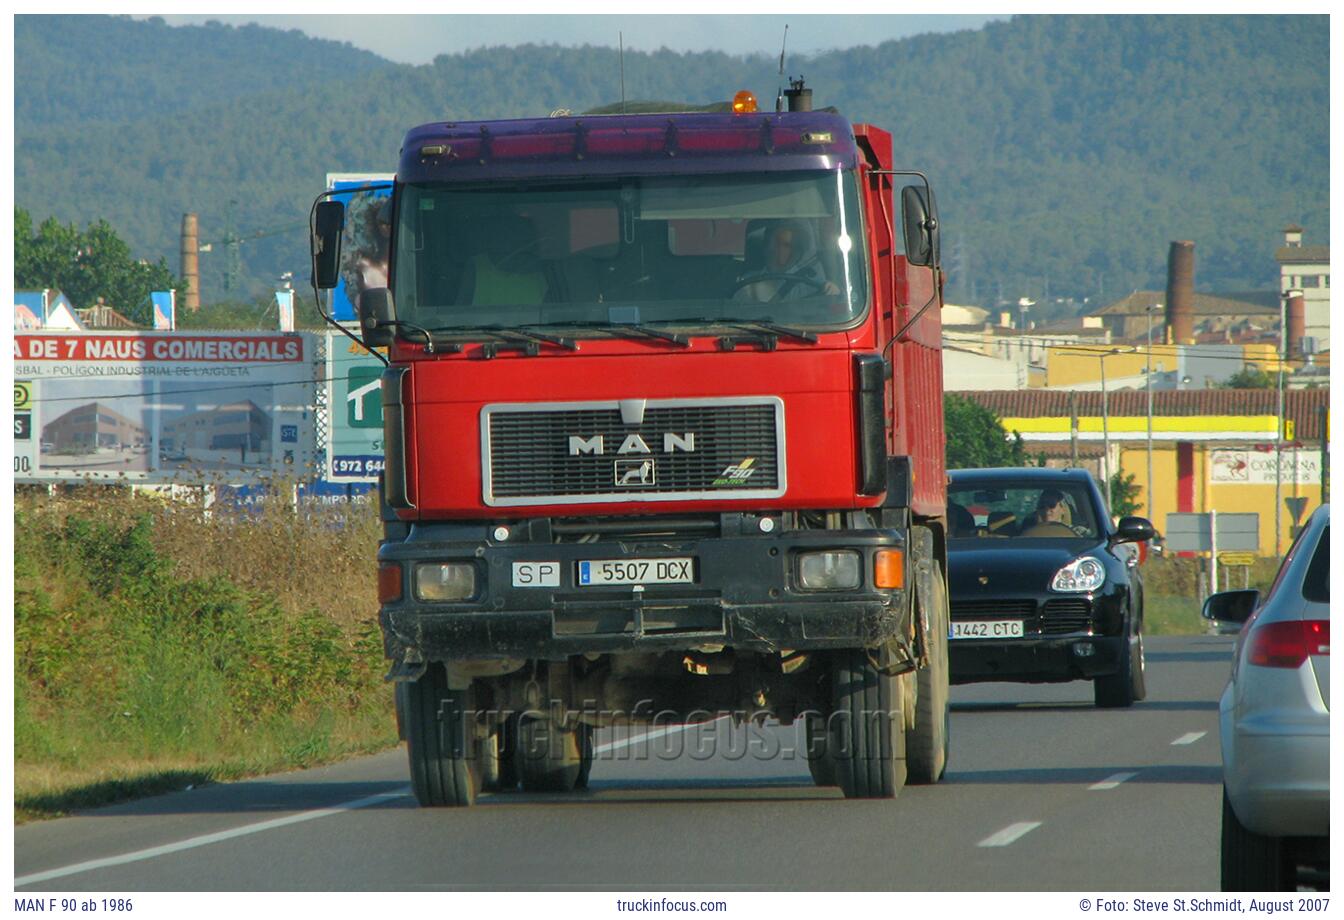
1188	738
206	839
1111	782
1009	834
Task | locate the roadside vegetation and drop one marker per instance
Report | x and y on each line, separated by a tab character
1173	594
159	646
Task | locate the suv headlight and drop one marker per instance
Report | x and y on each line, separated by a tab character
1085	574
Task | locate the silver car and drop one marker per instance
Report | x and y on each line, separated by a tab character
1274	719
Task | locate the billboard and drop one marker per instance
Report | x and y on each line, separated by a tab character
355	433
1254	467
30	310
365	241
165	309
163	407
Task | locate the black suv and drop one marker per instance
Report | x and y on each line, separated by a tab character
1042	587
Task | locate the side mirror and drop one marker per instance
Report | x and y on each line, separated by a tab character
919	213
1230	606
377	317
326	243
1134	530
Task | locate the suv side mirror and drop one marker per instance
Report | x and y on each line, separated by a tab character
1230	606
919	214
1133	530
326	243
377	317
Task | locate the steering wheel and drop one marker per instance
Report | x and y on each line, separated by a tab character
780	276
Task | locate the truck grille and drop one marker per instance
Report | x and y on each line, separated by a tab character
568	453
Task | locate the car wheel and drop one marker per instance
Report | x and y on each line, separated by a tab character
1116	691
1137	679
585	732
866	728
926	749
549	758
1250	861
441	740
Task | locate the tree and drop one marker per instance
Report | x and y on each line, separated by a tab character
976	437
1124	494
1249	378
86	265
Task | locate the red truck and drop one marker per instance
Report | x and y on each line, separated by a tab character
664	442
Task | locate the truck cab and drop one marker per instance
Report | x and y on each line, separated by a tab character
663	440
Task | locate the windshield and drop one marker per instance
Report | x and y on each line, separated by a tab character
1011	511
784	247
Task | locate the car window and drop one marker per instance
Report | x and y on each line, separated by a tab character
1316	586
1015	510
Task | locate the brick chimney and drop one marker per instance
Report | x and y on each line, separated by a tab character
1181	292
1297	325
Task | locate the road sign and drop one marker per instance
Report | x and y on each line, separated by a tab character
1296	505
1189	532
1237	558
364	397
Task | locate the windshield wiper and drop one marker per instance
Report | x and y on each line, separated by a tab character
766	327
618	328
528	341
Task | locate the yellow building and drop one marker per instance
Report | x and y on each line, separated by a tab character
1211	449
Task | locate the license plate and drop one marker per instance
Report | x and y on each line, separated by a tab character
986	629
636	572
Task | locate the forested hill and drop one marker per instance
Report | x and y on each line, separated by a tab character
1065	151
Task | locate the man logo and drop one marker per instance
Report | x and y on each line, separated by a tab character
634	472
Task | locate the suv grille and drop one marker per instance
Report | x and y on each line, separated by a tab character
728	448
1066	615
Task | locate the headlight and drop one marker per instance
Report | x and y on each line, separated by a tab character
445	581
1085	574
829	571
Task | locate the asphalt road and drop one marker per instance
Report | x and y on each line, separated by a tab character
1043	792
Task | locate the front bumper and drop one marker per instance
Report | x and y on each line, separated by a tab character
744	596
1033	660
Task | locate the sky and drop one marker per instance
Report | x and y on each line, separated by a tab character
416	39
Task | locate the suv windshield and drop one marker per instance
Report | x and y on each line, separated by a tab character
694	249
1019	511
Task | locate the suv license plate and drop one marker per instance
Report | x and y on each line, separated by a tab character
636	572
986	629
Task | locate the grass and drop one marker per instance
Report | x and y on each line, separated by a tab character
1172	591
158	646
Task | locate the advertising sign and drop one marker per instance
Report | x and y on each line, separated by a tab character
1255	467
30	310
165	309
163	407
355	446
365	244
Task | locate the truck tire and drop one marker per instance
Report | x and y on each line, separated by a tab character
399	705
441	740
926	749
819	762
866	728
508	753
1121	689
550	757
1251	861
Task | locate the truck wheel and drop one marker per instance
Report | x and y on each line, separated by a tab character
1250	861
926	751
491	761
441	740
399	705
508	753
549	755
585	754
866	728
819	761
1117	691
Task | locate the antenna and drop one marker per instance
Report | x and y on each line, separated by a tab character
620	37
779	96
